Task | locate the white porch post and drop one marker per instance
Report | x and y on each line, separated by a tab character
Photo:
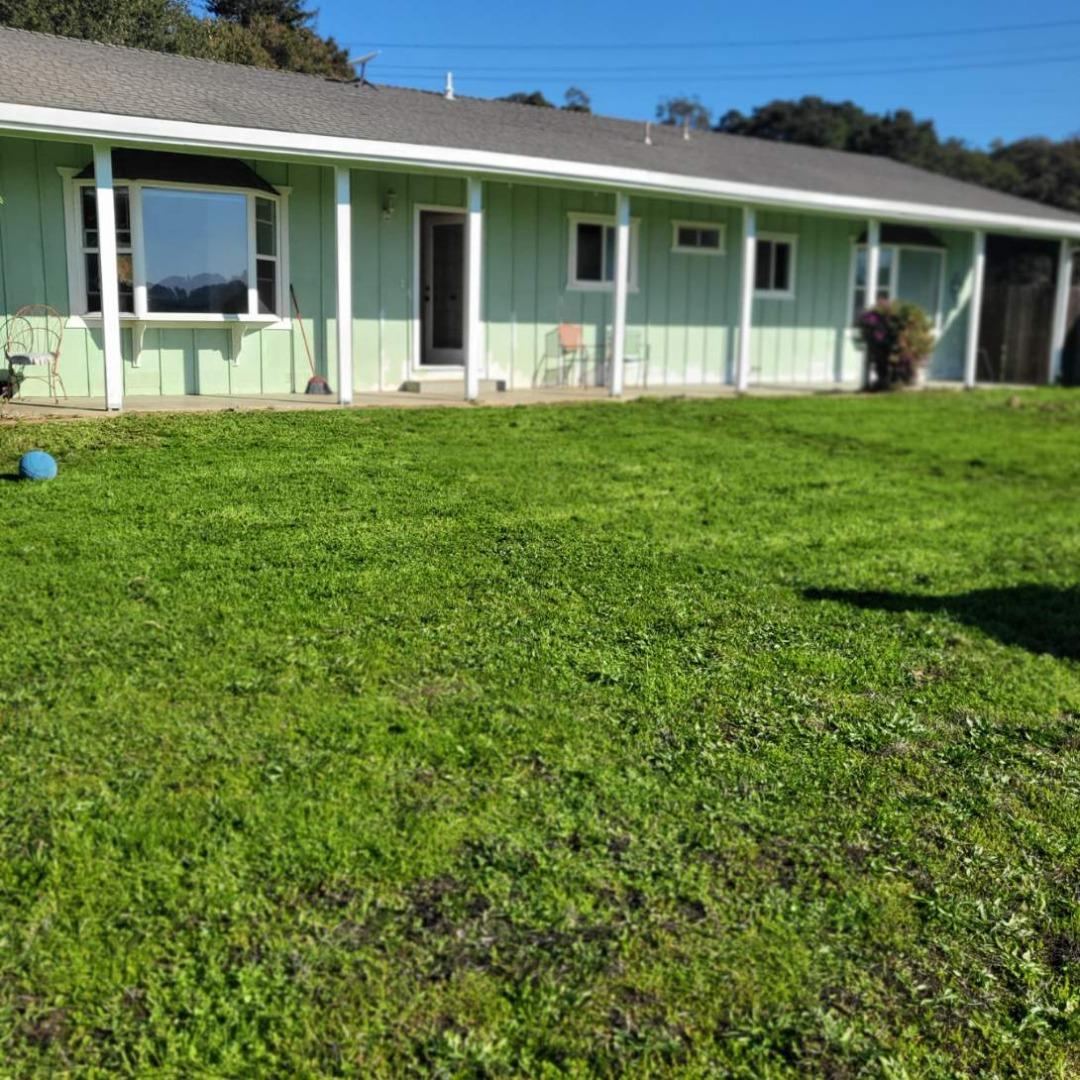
978	273
474	330
873	261
343	200
746	300
1061	310
873	271
110	287
622	273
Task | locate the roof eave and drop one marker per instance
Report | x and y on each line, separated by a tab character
260	142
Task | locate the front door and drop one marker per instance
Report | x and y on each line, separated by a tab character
442	282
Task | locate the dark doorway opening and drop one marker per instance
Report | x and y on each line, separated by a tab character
1017	310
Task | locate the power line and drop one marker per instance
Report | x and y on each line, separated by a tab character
786	73
769	67
911	35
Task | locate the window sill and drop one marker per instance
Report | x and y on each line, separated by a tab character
181	321
598	287
761	295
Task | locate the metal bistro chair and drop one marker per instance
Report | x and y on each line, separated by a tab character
32	339
565	348
636	357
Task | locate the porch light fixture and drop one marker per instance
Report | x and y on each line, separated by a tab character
389	204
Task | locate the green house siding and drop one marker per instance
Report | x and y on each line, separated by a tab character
681	319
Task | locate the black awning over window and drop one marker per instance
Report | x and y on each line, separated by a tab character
182	169
909	235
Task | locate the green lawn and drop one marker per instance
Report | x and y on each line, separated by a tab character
709	738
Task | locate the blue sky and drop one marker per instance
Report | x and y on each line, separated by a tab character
976	85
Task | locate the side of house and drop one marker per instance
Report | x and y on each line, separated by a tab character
547	263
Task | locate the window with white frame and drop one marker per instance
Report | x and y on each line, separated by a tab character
592	252
774	268
90	261
886	284
905	272
697	238
185	252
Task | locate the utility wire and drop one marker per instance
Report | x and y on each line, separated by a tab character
911	35
1033	52
786	73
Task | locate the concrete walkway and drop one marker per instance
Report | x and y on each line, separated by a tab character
23	409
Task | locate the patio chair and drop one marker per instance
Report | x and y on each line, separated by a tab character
565	347
635	357
32	339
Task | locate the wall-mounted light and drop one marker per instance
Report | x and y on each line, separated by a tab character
389	204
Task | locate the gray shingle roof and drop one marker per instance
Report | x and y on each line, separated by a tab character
39	69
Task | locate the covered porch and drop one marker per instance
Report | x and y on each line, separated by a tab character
565	291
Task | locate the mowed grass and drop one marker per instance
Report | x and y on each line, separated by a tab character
697	738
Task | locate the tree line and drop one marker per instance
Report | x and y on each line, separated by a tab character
1035	167
262	33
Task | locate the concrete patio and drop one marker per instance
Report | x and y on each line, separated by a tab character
24	409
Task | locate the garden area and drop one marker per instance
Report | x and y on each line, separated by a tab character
698	738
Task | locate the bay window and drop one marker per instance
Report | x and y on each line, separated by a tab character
185	252
90	260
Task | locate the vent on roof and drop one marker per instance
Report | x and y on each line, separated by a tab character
448	92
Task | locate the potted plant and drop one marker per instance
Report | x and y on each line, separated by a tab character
899	339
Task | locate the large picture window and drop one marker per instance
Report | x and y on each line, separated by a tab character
195	244
592	253
185	252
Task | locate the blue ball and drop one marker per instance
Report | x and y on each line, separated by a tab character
37	465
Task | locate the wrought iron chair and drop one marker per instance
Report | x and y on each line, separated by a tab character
32	340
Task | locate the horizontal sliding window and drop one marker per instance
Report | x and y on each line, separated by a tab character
691	238
203	252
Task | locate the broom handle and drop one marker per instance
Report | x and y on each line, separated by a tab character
303	332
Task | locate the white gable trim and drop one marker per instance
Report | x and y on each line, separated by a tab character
138	130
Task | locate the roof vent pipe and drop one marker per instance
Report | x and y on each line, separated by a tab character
448	92
648	133
686	129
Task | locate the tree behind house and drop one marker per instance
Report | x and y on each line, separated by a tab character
262	33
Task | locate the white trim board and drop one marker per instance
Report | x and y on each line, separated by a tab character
42	121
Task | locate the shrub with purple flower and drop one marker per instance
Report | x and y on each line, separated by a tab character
898	338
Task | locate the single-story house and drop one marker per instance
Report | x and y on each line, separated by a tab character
181	213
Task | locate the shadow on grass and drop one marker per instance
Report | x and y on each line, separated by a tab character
1040	618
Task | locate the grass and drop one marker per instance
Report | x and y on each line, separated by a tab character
706	738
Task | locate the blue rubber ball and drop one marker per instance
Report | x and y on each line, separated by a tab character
37	465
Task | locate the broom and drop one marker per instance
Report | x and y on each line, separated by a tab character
316	384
